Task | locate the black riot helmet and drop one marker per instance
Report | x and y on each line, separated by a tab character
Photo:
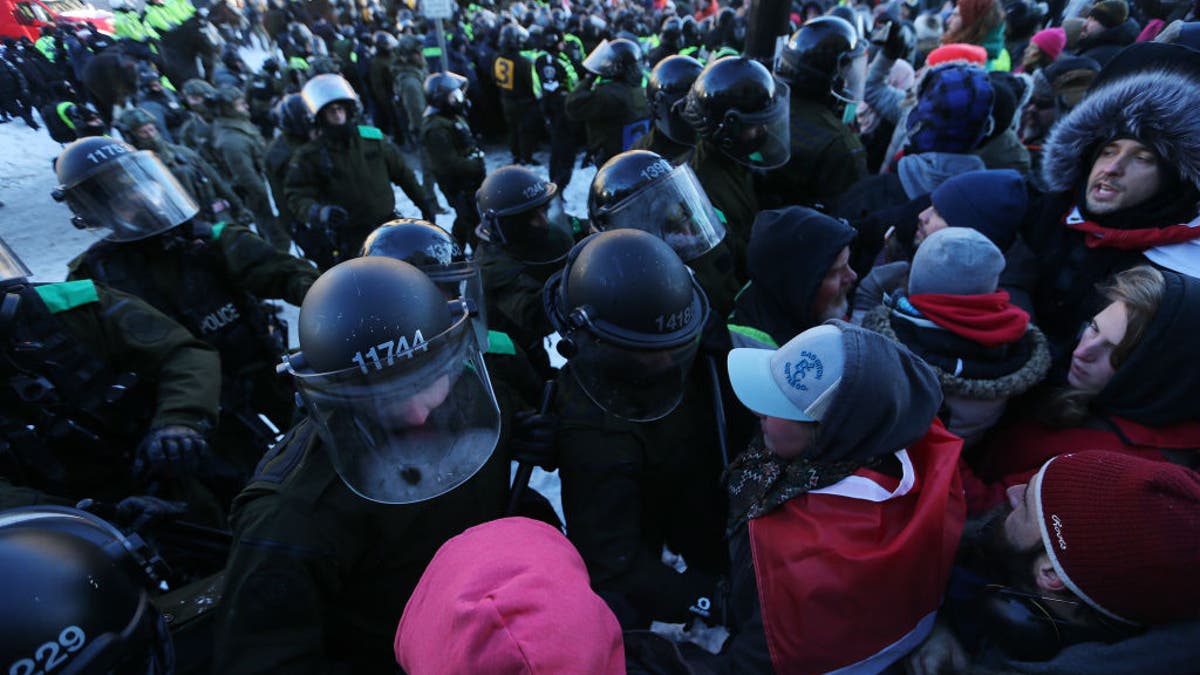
619	59
512	37
291	115
690	31
392	375
432	250
825	57
385	42
520	211
640	190
630	315
113	188
75	593
447	92
849	15
670	81
671	33
738	106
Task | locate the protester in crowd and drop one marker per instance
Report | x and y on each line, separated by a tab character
1087	568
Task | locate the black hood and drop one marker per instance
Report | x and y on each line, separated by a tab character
887	399
789	254
1159	384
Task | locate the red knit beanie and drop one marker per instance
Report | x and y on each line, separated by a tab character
957	51
1123	533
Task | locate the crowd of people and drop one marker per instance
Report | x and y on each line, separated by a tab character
875	331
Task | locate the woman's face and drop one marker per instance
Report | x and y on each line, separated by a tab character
1091	362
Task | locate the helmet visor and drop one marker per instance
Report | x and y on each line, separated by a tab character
640	385
675	209
760	140
539	236
463	279
410	422
669	120
131	197
601	61
11	265
853	76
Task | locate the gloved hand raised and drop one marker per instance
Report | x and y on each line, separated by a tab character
532	439
328	216
174	450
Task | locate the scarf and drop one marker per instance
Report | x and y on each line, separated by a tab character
990	320
1098	236
758	481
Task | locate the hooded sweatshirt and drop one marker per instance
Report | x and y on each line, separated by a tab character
790	252
508	596
821	555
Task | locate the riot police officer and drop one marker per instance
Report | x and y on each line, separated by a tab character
825	66
558	75
341	182
217	201
639	451
398	454
208	277
610	101
670	136
295	129
740	114
76	594
515	78
642	191
103	396
241	148
524	237
450	151
196	131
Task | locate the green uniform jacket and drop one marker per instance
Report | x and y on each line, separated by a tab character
657	142
357	175
319	577
380	76
196	132
827	157
629	488
241	148
513	292
730	187
278	157
450	150
204	183
613	114
128	335
247	260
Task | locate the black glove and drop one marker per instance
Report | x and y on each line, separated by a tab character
135	513
327	216
174	450
532	439
896	46
710	608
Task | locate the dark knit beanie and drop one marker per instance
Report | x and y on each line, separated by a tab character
991	202
1123	533
1110	13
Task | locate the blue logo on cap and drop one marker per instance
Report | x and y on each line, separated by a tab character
795	371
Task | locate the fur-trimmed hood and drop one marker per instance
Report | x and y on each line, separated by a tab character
1157	107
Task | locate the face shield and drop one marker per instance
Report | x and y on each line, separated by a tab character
411	420
675	209
463	279
760	140
132	197
12	267
539	236
669	120
852	77
601	61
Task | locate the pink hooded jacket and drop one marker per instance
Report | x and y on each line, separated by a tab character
508	596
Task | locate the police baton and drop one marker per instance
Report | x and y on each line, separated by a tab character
718	407
525	469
